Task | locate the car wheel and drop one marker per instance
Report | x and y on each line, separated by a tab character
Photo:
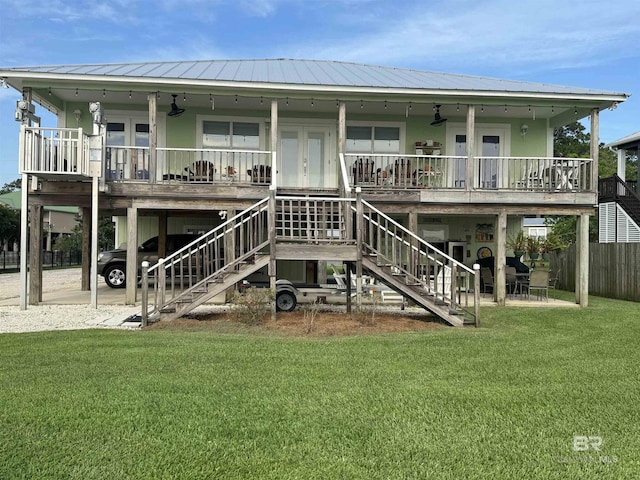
286	302
115	277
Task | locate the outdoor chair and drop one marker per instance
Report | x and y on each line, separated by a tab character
487	279
553	280
364	171
511	280
402	172
260	174
539	281
201	171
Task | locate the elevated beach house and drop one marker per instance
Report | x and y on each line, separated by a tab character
288	165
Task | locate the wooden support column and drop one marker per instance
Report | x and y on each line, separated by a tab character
583	260
35	255
230	250
413	255
272	245
471	142
132	256
274	127
24	233
342	136
162	234
578	294
153	137
85	283
500	280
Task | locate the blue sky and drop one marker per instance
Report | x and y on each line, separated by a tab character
579	43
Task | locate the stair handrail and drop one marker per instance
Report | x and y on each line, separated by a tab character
445	265
344	173
199	245
417	238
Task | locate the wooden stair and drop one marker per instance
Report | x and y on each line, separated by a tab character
414	291
208	288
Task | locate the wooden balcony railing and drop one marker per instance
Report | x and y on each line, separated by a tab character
544	174
190	165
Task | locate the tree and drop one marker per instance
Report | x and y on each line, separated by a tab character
73	241
571	141
11	186
9	224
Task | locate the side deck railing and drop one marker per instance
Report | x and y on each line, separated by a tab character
54	151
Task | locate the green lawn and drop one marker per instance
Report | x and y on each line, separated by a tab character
503	401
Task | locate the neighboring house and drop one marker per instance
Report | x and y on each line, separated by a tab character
535	227
619	199
56	220
453	160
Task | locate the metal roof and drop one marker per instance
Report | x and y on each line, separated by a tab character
632	140
307	73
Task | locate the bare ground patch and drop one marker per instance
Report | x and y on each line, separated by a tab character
326	324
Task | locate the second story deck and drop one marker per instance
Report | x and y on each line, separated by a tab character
70	154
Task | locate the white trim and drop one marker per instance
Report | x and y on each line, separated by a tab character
100	80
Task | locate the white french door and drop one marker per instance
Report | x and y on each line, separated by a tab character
491	141
306	156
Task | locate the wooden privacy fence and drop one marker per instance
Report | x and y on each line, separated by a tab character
614	270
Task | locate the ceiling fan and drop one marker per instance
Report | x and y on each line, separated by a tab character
175	110
438	120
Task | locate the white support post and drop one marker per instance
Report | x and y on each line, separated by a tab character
595	148
622	164
24	235
359	238
274	143
94	241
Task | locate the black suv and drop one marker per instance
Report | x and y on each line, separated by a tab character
112	265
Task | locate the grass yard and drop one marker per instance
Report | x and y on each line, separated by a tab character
503	401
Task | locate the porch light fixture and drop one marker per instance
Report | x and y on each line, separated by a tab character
438	120
77	113
524	128
175	111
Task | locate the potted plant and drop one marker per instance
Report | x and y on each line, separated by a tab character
518	244
534	247
551	244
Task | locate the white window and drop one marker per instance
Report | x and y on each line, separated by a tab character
373	139
230	134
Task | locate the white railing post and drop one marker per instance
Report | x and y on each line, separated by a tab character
359	235
162	280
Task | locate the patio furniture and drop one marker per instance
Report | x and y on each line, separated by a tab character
402	172
201	171
539	281
511	280
487	279
553	280
260	174
364	171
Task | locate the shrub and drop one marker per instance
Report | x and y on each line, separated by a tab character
251	305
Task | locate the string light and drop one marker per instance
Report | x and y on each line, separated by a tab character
312	103
361	104
236	98
261	100
410	106
76	92
184	96
482	108
385	104
458	108
287	100
104	92
575	111
505	108
129	94
49	91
